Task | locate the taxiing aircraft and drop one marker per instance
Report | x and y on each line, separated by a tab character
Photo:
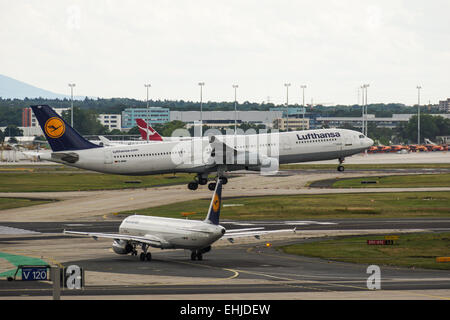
203	155
171	233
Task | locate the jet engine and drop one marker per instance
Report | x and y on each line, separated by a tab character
267	164
122	247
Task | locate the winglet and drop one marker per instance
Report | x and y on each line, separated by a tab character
214	207
144	129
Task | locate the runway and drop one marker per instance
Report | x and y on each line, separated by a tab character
236	270
246	269
110	226
100	205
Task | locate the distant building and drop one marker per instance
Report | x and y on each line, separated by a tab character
294	112
444	105
26	117
381	122
153	115
111	121
226	118
29	120
291	123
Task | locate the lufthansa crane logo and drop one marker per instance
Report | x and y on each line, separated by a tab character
54	128
216	203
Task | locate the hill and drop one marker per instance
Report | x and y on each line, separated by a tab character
15	89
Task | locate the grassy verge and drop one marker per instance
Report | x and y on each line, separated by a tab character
411	250
327	206
38	181
407	181
10	203
368	166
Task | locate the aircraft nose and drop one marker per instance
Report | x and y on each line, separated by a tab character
369	142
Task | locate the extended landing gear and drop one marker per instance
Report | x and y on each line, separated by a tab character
193	185
144	255
202	180
198	254
341	168
199	180
212	185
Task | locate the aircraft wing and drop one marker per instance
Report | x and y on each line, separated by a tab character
240	233
147	239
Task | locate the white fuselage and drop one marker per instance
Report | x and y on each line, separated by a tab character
194	155
177	233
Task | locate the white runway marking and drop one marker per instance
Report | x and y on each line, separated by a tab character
276	223
9	230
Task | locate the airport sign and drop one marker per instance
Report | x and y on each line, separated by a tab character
391	237
380	242
34	273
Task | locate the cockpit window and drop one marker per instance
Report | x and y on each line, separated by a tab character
361	136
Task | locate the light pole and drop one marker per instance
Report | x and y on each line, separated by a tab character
303	103
418	114
362	114
287	85
71	85
366	126
201	84
235	86
364	109
147	85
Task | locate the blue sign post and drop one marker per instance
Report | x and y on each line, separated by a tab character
34	273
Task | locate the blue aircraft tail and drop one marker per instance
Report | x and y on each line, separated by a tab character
214	207
60	135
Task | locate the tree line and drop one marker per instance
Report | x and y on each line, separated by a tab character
11	109
87	110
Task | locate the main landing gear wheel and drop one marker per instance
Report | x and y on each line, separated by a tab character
196	255
145	255
192	185
212	186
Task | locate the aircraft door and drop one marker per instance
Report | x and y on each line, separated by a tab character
108	156
348	142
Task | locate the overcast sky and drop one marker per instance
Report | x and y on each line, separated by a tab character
111	48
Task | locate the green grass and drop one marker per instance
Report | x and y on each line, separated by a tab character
9	203
411	250
79	180
366	166
326	206
406	181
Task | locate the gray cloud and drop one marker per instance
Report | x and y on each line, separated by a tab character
111	48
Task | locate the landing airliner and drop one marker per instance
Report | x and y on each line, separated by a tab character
202	156
170	233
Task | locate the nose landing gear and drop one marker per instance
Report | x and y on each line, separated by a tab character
341	168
